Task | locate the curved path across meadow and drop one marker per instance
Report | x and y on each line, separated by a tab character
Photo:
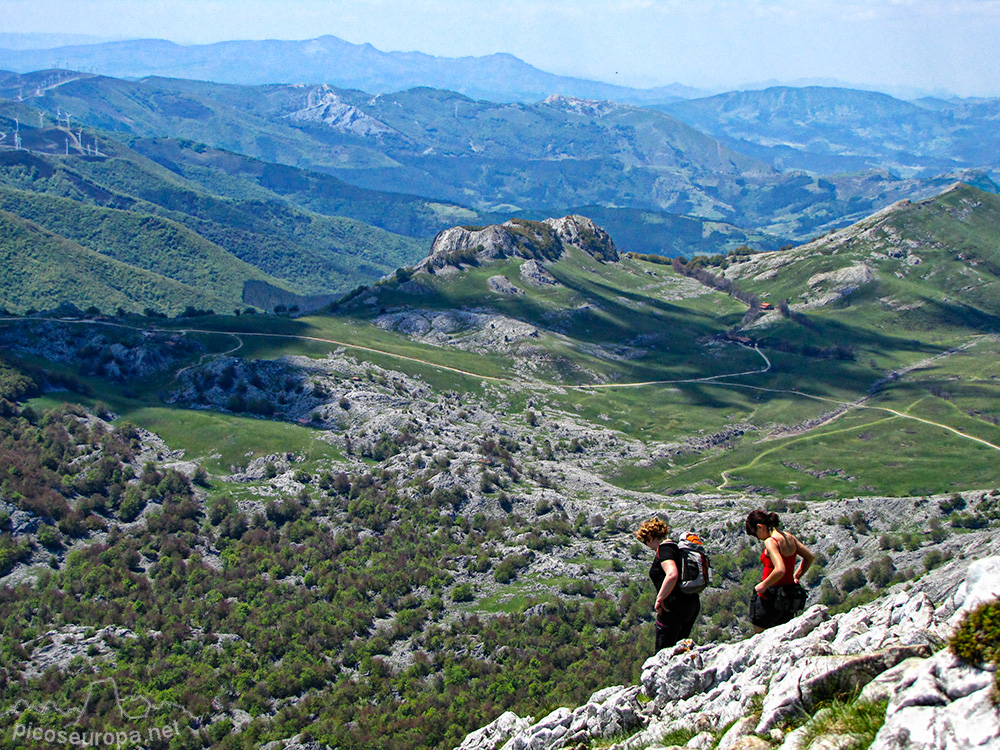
846	406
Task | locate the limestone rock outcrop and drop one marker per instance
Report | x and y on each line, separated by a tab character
519	238
741	694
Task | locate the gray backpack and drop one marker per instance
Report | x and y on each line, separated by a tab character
694	566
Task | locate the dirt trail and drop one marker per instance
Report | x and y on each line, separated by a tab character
844	407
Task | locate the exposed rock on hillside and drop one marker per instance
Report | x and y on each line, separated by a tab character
323	104
518	238
463	329
73	642
887	648
110	351
584	107
535	274
503	285
834	285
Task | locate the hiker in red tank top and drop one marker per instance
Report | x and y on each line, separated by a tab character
789	562
778	558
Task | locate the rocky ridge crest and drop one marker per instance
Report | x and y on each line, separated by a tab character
519	238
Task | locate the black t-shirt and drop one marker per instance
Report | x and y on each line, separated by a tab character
669	551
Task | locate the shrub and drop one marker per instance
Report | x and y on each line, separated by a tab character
463	593
12	553
853	578
48	536
830	595
977	638
933	558
506	571
132	505
881	571
201	477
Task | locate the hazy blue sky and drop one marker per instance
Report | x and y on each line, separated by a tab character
928	44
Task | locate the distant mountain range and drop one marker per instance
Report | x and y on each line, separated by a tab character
498	77
828	130
168	224
533	160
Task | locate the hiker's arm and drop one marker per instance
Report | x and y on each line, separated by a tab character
670	569
771	547
807	559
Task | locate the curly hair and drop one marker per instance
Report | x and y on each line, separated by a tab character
654	528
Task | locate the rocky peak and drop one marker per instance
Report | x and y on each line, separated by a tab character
324	104
583	107
519	238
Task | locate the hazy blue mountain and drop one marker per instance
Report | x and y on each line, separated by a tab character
829	130
12	41
498	77
495	158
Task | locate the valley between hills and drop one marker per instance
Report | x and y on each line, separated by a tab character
458	454
296	458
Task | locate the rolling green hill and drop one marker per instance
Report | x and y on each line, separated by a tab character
127	207
43	270
908	301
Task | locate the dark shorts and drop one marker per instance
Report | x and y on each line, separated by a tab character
763	613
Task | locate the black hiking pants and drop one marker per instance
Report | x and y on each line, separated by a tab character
676	624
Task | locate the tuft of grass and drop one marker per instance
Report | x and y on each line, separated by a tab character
678	737
612	741
857	719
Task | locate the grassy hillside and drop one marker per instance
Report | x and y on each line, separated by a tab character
908	301
232	175
43	270
129	208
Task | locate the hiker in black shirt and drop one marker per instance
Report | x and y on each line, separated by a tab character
676	611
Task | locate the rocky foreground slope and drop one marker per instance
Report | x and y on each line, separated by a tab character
747	695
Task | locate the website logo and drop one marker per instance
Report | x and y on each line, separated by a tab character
131	721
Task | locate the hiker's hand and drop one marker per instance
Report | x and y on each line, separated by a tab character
761	591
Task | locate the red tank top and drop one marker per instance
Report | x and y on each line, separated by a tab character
789	561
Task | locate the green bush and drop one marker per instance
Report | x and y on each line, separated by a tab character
132	505
48	536
977	639
853	578
881	572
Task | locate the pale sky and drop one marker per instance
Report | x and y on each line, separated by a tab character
931	45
